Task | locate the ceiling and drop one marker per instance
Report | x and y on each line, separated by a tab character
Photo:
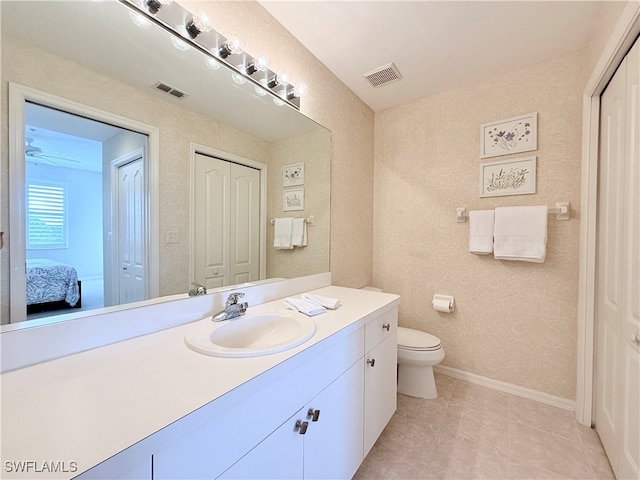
436	45
64	140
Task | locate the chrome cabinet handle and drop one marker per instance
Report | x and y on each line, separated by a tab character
301	427
386	326
371	361
314	415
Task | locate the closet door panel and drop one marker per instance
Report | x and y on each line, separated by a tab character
610	239
629	461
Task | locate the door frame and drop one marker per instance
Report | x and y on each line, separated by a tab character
194	149
620	41
18	96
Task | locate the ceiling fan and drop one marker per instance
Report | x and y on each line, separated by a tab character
34	153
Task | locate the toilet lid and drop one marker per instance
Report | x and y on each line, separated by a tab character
411	339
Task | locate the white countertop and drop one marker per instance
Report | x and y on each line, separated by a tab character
89	406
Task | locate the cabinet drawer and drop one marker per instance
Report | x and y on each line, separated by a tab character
380	328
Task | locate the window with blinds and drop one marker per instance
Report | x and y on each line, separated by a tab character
46	214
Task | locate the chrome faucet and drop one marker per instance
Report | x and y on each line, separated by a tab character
232	308
196	289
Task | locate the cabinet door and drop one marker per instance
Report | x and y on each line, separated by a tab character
379	389
279	456
333	441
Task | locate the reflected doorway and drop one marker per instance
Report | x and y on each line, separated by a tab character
80	225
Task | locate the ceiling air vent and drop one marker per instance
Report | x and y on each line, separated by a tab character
383	75
170	90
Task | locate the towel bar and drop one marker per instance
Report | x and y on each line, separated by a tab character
310	220
561	211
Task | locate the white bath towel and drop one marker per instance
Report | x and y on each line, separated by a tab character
299	232
282	233
327	302
520	233
308	308
481	231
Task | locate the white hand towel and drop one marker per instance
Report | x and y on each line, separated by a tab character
299	232
327	302
282	233
308	308
520	233
481	231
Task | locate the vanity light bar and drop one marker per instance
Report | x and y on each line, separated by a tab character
179	21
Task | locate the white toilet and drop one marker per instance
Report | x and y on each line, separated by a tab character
418	352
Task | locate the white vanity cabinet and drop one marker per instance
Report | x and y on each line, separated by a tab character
322	440
208	447
317	418
380	379
353	411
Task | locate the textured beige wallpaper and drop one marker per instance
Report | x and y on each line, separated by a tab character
514	321
310	149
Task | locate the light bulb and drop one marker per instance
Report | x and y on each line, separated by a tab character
139	19
259	64
284	77
300	89
261	92
212	63
198	24
233	45
179	43
281	78
238	77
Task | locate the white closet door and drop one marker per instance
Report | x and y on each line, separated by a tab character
226	222
245	224
629	462
617	287
211	214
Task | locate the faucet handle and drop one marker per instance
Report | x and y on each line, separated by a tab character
196	289
232	299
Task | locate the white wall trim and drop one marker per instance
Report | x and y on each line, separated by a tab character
620	41
541	397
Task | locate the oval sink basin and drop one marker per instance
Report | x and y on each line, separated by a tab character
251	335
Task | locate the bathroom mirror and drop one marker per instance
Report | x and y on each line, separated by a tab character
97	54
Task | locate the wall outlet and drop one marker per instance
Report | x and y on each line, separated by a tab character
173	237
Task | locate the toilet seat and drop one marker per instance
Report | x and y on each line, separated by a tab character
416	340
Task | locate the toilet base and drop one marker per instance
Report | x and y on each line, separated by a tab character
417	381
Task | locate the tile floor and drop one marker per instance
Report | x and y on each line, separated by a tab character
473	432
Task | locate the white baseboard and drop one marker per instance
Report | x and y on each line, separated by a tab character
507	387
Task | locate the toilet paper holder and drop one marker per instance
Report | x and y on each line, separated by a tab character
443	303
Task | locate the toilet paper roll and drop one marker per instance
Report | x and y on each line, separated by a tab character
442	303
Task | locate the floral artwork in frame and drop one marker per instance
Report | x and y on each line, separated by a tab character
293	175
511	135
293	199
508	177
